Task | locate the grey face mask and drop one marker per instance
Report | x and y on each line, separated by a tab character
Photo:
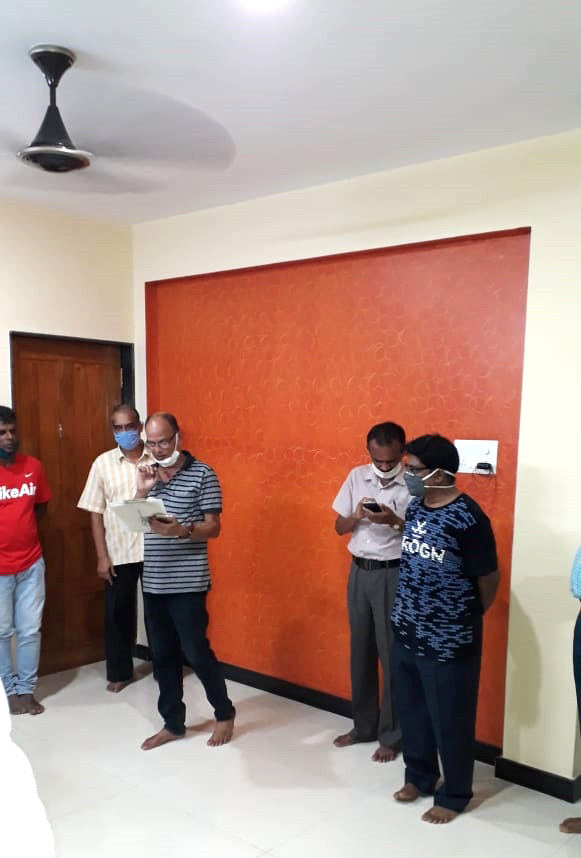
417	486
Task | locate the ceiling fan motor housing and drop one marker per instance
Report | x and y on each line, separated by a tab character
52	149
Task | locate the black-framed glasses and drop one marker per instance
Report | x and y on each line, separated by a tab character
411	470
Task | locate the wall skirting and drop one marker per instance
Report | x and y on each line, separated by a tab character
567	789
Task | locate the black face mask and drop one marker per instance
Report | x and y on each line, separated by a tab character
6	455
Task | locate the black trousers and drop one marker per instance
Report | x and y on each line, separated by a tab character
121	621
176	624
436	703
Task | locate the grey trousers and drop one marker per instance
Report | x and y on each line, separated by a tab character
370	598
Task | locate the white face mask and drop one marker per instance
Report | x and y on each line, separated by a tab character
171	459
386	475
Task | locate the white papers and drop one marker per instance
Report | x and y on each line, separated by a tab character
135	514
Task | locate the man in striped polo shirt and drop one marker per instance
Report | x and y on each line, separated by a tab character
119	551
176	579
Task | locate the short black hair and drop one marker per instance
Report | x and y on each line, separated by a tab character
169	418
435	451
123	406
386	433
7	415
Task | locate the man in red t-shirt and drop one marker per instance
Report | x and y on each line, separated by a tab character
24	494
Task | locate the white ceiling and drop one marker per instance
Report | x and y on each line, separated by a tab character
188	104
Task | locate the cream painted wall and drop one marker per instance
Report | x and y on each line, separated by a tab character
61	275
537	184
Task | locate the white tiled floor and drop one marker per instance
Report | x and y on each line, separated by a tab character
279	789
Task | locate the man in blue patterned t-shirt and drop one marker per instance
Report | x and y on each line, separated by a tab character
448	579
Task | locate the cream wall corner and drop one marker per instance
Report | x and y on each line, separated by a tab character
62	275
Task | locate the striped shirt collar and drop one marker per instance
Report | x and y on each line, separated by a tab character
188	462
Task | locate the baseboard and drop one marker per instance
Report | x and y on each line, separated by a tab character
142	652
567	789
282	688
485	753
318	699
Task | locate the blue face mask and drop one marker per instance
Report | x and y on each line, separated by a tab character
129	439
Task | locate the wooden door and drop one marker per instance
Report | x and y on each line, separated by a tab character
63	394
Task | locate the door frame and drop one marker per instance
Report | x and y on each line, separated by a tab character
126	351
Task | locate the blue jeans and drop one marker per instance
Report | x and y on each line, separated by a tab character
21	604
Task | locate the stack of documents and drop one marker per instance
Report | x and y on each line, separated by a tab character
135	514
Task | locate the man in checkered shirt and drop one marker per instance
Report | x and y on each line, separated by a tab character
119	551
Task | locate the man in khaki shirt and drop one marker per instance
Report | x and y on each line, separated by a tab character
375	546
119	551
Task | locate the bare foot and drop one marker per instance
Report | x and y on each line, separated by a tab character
116	687
344	741
161	738
30	704
408	792
439	815
15	705
572	825
384	755
222	733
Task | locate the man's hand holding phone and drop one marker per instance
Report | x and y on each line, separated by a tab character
371	506
167	525
378	513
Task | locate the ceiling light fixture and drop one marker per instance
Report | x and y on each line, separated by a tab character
264	5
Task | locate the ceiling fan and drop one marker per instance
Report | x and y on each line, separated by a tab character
52	149
140	137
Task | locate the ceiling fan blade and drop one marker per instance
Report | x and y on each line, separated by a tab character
129	123
97	180
10	142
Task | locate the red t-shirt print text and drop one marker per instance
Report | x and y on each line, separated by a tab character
23	485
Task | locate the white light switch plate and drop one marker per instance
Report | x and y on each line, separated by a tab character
473	452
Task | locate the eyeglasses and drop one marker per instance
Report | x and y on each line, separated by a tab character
411	470
164	444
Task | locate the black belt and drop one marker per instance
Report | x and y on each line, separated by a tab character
369	564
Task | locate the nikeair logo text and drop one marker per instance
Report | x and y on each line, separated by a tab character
25	489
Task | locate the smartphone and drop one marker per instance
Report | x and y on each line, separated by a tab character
372	506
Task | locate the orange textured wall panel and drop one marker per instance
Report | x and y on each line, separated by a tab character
277	373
